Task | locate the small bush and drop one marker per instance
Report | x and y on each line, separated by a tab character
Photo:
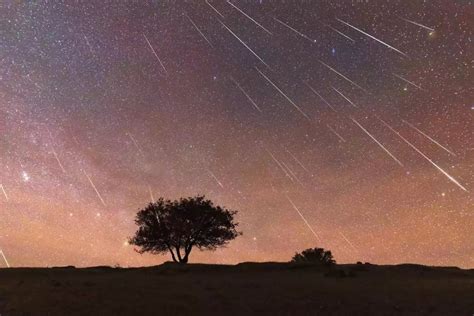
315	256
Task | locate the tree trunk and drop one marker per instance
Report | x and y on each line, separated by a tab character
172	254
186	255
181	260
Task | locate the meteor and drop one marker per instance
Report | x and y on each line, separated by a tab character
215	178
250	18
373	37
134	142
337	72
347	99
54	152
154	53
378	143
246	94
336	133
324	100
89	44
407	81
292	173
214	9
151	193
283	94
279	165
4	258
297	160
243	43
199	30
304	219
340	33
418	24
347	240
296	31
4	192
94	187
427	136
57	159
424	156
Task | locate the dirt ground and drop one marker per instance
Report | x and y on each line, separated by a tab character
243	289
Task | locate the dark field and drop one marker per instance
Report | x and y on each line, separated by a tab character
244	289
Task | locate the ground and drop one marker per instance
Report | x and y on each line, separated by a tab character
243	289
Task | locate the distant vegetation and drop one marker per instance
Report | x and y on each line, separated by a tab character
179	226
314	255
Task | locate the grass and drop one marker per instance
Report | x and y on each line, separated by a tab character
243	289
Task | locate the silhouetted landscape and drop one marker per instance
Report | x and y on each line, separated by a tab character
243	289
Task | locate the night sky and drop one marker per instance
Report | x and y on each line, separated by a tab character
338	124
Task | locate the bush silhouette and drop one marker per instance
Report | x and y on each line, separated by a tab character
315	256
178	226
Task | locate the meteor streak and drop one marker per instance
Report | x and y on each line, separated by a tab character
4	192
199	30
407	81
250	18
340	33
296	31
292	173
427	136
154	53
246	94
378	143
347	240
214	9
243	43
373	37
89	44
304	219
54	152
279	165
418	24
347	99
336	133
324	100
135	143
297	160
57	159
337	72
94	187
424	156
4	258
151	193
215	178
283	94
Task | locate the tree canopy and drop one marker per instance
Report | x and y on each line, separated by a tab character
178	226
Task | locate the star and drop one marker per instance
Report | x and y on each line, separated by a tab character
25	176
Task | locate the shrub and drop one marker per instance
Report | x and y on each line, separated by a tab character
314	256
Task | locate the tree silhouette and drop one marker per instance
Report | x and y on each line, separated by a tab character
178	226
314	255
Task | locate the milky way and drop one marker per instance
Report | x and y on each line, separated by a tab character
345	125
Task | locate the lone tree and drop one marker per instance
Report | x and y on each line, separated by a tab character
314	255
178	226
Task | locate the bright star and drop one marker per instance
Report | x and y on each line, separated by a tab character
25	176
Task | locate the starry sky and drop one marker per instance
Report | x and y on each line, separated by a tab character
346	125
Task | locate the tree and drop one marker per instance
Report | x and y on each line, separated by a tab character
178	226
314	255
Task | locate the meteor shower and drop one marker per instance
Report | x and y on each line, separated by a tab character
202	149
